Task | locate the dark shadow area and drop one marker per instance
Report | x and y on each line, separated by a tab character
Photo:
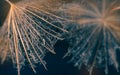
4	9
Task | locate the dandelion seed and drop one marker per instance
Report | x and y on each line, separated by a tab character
97	39
29	32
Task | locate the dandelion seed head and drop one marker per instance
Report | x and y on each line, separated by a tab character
29	32
97	36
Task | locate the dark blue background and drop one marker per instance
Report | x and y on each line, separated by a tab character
55	63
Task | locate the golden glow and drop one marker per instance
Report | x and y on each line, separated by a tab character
103	13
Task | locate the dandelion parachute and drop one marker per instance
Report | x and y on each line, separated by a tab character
29	31
95	40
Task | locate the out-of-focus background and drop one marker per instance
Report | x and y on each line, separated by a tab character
55	63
